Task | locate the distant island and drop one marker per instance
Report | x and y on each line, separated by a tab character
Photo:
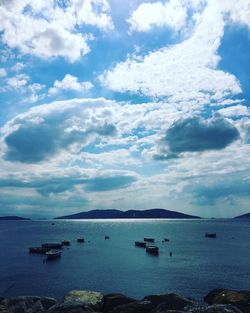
247	215
12	218
117	214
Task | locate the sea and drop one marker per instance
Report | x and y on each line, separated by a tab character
197	265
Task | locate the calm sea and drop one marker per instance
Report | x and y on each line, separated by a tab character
198	264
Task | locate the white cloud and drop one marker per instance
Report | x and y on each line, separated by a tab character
237	110
18	67
18	81
3	72
46	29
185	69
172	14
70	82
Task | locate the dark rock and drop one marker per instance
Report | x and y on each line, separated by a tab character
30	304
113	300
240	299
215	308
70	308
48	302
171	301
92	299
134	307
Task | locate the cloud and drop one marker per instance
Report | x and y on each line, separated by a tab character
70	82
171	14
48	29
196	135
227	189
235	111
109	183
18	81
3	72
67	182
184	71
46	130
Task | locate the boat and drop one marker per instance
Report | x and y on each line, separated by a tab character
65	242
80	239
152	250
166	240
140	244
210	235
53	254
106	237
38	250
149	239
52	245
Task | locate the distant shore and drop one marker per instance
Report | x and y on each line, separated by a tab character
80	301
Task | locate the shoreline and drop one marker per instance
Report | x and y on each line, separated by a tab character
80	301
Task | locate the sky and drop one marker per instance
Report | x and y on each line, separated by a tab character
124	105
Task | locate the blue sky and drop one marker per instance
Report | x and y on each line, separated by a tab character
126	105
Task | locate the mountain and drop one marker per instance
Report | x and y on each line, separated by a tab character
247	215
109	214
12	218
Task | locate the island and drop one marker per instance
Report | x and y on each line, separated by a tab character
130	214
247	215
13	218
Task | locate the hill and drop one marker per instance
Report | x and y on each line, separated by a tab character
12	218
113	214
247	215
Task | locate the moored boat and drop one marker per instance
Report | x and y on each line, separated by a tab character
210	235
152	250
38	250
53	254
140	244
80	239
148	239
65	242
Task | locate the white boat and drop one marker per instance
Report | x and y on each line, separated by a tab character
53	254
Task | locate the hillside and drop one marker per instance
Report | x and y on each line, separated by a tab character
113	214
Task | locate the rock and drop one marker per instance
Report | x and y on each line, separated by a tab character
92	299
48	302
199	308
215	308
70	308
171	301
113	300
30	304
134	307
240	299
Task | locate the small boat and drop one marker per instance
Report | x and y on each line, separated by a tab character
210	235
80	239
141	244
52	245
149	239
38	250
152	250
65	242
53	254
106	237
166	240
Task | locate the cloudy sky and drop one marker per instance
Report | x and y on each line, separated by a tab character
124	104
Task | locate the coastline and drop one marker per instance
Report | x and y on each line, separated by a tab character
85	301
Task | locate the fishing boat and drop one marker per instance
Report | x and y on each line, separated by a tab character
141	244
152	250
38	250
149	239
65	242
210	235
53	254
80	239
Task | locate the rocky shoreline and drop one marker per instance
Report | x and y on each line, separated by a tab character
83	301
